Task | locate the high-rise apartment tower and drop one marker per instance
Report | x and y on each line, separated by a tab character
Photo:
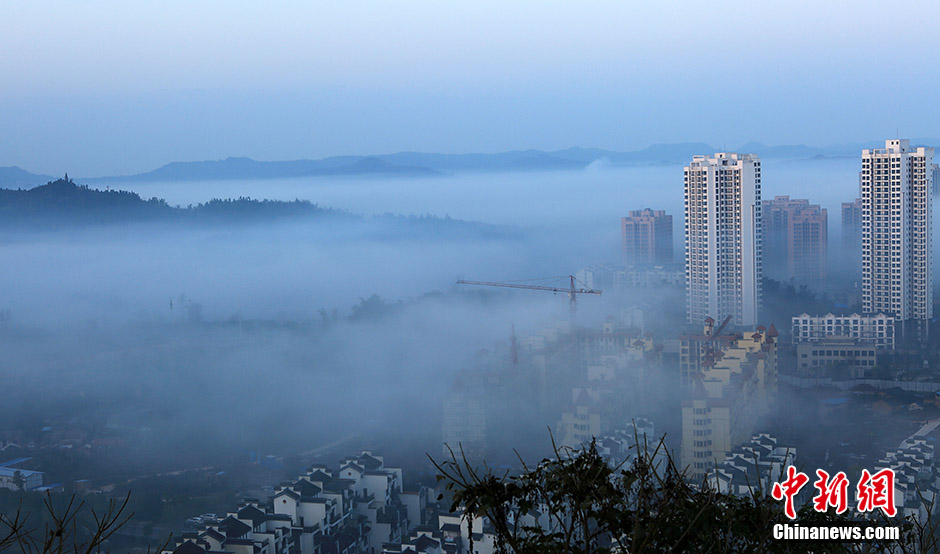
896	233
647	237
795	240
723	238
852	225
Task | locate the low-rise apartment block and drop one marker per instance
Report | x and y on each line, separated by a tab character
835	357
875	330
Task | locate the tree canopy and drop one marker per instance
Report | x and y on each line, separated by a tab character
580	503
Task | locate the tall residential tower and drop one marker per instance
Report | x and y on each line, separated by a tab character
896	232
852	225
723	238
795	240
647	237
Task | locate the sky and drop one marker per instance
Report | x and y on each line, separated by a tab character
107	87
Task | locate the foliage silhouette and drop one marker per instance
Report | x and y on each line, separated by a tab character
578	502
72	527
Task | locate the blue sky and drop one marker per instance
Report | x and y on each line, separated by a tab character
100	87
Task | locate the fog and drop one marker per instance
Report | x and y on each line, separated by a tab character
544	224
587	201
188	393
206	342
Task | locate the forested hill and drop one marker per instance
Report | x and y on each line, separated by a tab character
63	204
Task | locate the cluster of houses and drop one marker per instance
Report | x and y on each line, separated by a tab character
359	507
753	466
916	479
756	465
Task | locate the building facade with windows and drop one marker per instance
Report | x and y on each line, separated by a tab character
723	237
839	358
795	240
734	386
876	330
646	236
896	232
852	225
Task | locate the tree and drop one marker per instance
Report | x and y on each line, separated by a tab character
645	506
373	307
70	528
19	481
329	317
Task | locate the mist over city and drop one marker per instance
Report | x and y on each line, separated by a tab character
382	278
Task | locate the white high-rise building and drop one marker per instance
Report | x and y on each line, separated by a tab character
896	233
723	238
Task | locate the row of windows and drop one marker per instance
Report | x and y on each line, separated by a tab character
843	353
843	321
860	363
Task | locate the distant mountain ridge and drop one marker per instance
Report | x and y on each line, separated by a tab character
246	168
14	177
424	164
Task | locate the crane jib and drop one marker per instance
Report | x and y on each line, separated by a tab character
529	287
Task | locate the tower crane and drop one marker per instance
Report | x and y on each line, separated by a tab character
717	332
571	291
